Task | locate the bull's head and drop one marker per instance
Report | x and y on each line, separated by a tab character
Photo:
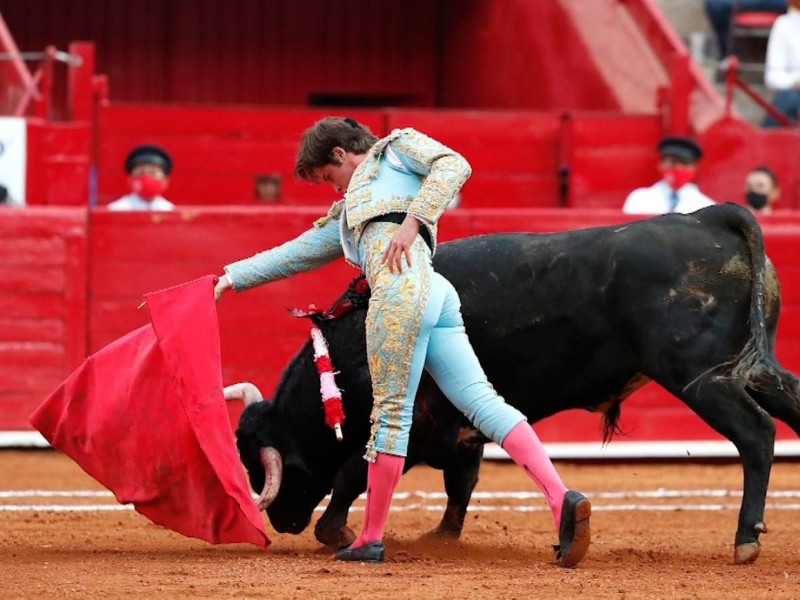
268	456
273	463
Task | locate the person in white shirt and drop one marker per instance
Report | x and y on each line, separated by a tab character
782	70
148	169
675	192
721	12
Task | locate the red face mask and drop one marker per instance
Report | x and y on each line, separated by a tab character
678	176
147	186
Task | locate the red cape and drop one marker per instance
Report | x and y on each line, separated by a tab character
145	416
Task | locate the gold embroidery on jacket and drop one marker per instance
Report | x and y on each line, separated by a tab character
333	213
446	177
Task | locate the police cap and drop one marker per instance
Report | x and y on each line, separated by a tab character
148	155
683	148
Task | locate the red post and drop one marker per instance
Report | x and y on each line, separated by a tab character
730	83
43	103
80	100
680	90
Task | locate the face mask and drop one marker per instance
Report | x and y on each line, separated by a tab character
678	176
147	186
756	200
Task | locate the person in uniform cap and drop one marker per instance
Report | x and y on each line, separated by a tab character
148	168
676	191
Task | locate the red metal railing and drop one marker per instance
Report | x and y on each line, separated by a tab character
733	81
27	94
19	86
684	75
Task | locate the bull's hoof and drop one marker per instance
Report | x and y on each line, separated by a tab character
442	533
746	553
335	538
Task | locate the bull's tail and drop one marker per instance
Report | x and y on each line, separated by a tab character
756	360
775	389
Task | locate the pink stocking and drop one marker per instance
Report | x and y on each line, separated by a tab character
523	445
382	479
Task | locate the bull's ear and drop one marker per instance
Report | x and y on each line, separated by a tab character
254	421
257	410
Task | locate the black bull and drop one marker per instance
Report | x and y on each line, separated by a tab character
578	319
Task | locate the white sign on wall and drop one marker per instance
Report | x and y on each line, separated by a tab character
13	156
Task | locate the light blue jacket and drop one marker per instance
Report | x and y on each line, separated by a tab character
418	176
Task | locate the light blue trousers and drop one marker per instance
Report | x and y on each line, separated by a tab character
413	322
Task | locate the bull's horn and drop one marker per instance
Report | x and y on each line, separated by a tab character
273	471
243	391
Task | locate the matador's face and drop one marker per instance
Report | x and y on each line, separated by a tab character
339	172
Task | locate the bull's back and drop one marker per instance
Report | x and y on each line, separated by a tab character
568	319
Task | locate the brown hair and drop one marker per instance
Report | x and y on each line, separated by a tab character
319	140
768	172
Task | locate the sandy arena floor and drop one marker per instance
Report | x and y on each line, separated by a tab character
675	540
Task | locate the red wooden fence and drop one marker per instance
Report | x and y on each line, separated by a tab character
43	277
70	282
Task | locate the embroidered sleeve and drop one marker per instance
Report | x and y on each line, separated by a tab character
310	250
333	213
443	172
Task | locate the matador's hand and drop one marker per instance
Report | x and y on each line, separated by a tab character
223	285
401	243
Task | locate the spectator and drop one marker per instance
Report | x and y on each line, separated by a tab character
783	64
675	192
720	15
268	187
6	199
148	169
762	190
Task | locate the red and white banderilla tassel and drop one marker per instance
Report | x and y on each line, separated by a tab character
331	395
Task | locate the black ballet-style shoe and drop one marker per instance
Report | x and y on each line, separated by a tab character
574	535
374	552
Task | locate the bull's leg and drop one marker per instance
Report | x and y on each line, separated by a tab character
727	407
351	480
459	482
779	394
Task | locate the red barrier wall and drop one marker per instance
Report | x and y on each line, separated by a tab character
609	155
59	160
520	159
514	155
62	297
217	151
43	282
